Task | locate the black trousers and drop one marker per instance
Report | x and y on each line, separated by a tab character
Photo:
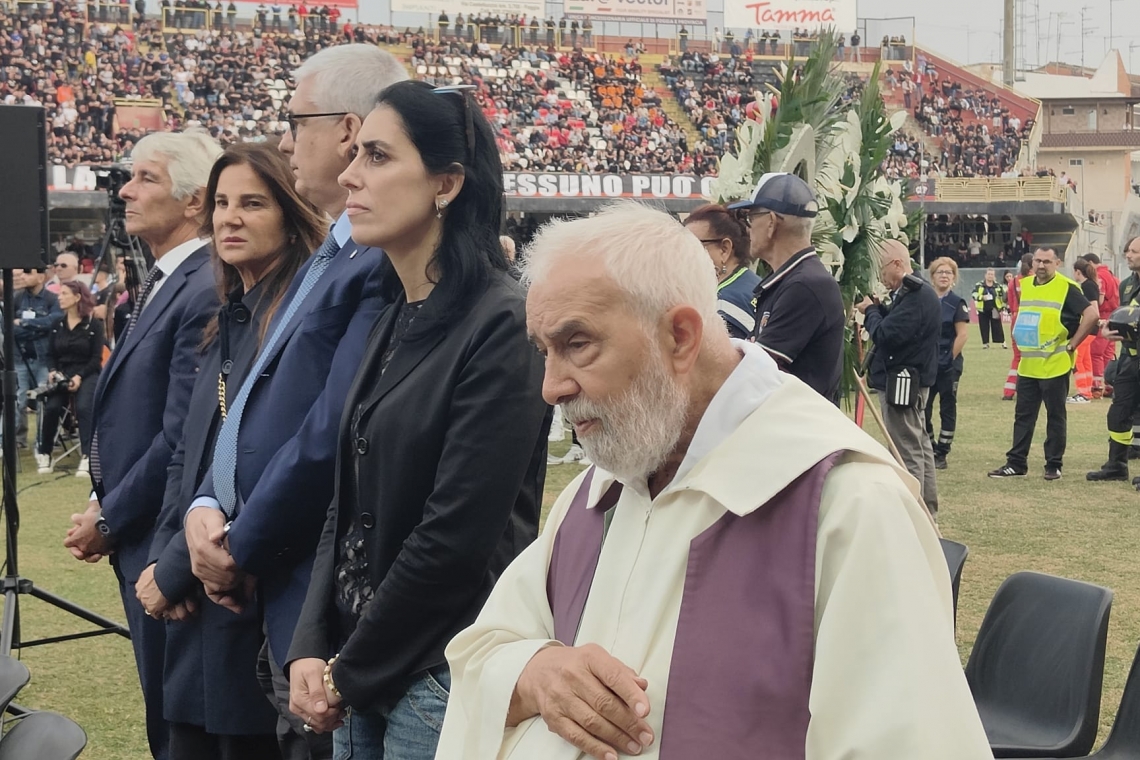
190	742
945	388
1125	398
52	412
1031	392
990	322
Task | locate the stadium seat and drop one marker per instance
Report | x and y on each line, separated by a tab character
1123	741
43	736
1037	666
956	554
13	677
421	70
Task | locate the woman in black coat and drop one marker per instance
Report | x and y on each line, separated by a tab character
443	438
75	356
262	233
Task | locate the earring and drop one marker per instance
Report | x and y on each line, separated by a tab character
440	205
724	269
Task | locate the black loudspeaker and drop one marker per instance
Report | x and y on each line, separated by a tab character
23	188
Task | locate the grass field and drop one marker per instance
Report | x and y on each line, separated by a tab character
1070	528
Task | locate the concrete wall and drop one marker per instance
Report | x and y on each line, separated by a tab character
1104	181
1109	116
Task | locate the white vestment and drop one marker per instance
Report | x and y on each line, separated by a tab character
887	681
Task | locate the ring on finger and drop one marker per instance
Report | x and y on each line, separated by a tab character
308	728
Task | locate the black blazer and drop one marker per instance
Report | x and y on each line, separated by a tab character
78	351
209	675
446	465
906	334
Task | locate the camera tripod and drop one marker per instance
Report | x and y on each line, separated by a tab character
13	584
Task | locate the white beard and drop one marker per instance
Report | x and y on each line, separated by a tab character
637	431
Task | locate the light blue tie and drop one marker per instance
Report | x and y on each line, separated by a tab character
226	447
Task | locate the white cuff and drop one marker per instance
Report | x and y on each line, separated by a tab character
204	501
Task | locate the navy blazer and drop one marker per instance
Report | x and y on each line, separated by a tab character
141	403
209	669
288	437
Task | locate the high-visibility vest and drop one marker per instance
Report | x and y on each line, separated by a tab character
1039	334
980	296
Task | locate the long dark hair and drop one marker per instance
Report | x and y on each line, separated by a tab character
80	290
304	227
449	131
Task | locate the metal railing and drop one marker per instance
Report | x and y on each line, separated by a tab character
996	189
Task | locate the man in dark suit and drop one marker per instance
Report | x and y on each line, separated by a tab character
144	390
906	340
262	506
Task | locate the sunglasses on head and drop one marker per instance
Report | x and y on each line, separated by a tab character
461	90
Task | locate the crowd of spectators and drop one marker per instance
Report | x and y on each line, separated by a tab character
567	111
976	241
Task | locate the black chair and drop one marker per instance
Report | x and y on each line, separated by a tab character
956	554
1123	741
1037	666
13	677
43	736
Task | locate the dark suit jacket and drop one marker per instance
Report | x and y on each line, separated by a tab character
287	441
141	402
445	470
209	674
906	335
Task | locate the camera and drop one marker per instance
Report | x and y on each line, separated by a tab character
111	177
56	383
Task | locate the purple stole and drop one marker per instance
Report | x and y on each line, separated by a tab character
740	674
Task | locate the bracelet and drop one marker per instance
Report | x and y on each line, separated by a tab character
329	680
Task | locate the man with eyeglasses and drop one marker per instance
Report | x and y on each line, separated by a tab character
799	310
66	268
273	469
1052	319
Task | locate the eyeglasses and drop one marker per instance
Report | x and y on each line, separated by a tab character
751	215
461	90
943	271
293	118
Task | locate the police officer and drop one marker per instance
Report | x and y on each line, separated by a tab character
1126	393
951	341
725	239
904	365
799	311
989	300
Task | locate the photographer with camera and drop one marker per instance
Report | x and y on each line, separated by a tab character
37	311
75	355
905	361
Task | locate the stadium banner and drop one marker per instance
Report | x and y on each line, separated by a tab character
603	186
922	190
788	15
691	11
502	8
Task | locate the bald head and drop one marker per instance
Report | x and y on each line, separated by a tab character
66	267
894	263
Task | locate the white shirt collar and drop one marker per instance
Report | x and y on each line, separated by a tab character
342	229
749	385
179	253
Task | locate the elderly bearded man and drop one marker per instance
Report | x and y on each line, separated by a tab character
717	586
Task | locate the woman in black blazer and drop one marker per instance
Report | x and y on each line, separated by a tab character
443	439
262	233
75	356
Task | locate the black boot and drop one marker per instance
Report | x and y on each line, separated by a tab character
1116	468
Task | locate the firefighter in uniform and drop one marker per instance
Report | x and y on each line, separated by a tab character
1126	385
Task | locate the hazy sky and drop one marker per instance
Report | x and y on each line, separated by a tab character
968	30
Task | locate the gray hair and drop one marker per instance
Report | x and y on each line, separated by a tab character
799	227
350	78
189	155
648	254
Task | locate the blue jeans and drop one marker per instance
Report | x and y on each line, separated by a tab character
407	731
30	374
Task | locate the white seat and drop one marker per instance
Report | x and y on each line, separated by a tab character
516	63
544	65
421	70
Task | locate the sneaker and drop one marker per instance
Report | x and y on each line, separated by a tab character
1009	398
1077	398
939	463
43	464
1006	472
985	346
1052	473
84	468
1005	346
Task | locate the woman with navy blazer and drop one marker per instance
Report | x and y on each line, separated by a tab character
442	452
262	233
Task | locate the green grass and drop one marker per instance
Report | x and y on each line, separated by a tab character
1070	528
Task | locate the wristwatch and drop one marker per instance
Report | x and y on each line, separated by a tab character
102	526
